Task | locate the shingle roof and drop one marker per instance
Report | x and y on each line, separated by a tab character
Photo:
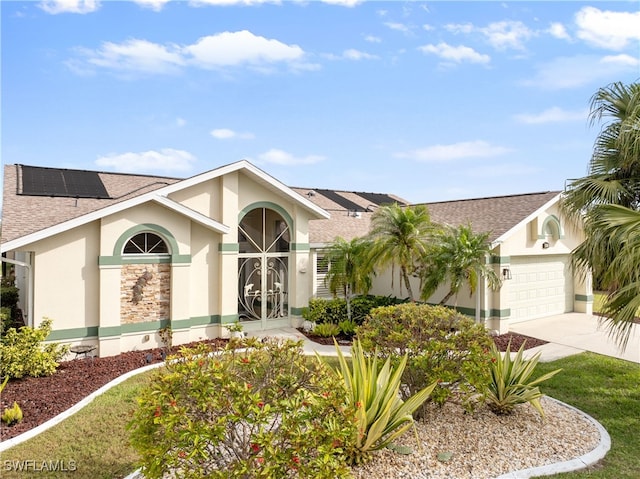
346	223
496	215
23	215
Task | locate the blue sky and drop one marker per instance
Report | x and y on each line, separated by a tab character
427	100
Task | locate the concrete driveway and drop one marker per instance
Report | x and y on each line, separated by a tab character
573	333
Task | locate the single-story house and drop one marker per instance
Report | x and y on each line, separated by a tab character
114	258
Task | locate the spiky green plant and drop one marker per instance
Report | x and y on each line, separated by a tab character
12	415
381	416
510	383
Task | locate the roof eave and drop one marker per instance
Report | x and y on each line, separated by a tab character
504	236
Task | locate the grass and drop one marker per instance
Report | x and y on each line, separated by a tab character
96	440
608	390
91	444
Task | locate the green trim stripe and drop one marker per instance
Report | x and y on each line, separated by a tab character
296	311
73	333
500	259
229	247
144	259
588	298
300	247
131	328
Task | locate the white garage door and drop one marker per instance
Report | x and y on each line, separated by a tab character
540	286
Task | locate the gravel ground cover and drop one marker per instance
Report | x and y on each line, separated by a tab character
482	445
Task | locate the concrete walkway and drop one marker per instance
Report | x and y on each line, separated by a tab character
574	333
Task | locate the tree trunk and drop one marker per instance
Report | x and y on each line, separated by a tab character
407	283
446	298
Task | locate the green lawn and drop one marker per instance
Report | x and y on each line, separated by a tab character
608	390
93	441
96	440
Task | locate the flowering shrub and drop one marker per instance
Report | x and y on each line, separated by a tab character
442	344
266	412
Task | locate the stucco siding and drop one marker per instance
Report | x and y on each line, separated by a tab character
66	278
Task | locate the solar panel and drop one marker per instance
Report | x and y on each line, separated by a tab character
341	200
378	198
38	181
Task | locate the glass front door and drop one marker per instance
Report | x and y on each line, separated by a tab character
263	267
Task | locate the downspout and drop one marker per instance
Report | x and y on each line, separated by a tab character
478	299
28	314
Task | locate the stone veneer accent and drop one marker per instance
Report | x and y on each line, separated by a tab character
155	302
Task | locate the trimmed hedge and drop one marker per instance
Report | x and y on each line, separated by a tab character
334	310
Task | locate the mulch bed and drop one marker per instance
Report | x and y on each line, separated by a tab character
44	398
502	341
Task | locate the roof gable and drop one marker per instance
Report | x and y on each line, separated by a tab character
56	215
499	215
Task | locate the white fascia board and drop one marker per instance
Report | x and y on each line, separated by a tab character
192	214
180	185
502	238
256	172
75	222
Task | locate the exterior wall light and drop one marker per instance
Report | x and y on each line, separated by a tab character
545	245
506	273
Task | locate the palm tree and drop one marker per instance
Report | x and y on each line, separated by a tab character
613	179
459	258
620	226
614	172
400	237
348	270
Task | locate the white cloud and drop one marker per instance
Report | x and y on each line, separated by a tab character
136	55
155	5
166	160
352	54
607	29
557	30
456	28
552	115
570	72
457	54
280	157
343	3
372	39
227	134
69	6
180	122
224	3
400	27
227	49
507	34
236	48
455	151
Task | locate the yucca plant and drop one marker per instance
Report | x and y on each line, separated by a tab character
510	382
381	415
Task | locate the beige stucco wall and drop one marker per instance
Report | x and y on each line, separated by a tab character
66	278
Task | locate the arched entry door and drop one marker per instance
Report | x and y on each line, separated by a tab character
263	266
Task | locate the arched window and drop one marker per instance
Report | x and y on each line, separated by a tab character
146	243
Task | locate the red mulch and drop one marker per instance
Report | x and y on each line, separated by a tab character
44	398
501	341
